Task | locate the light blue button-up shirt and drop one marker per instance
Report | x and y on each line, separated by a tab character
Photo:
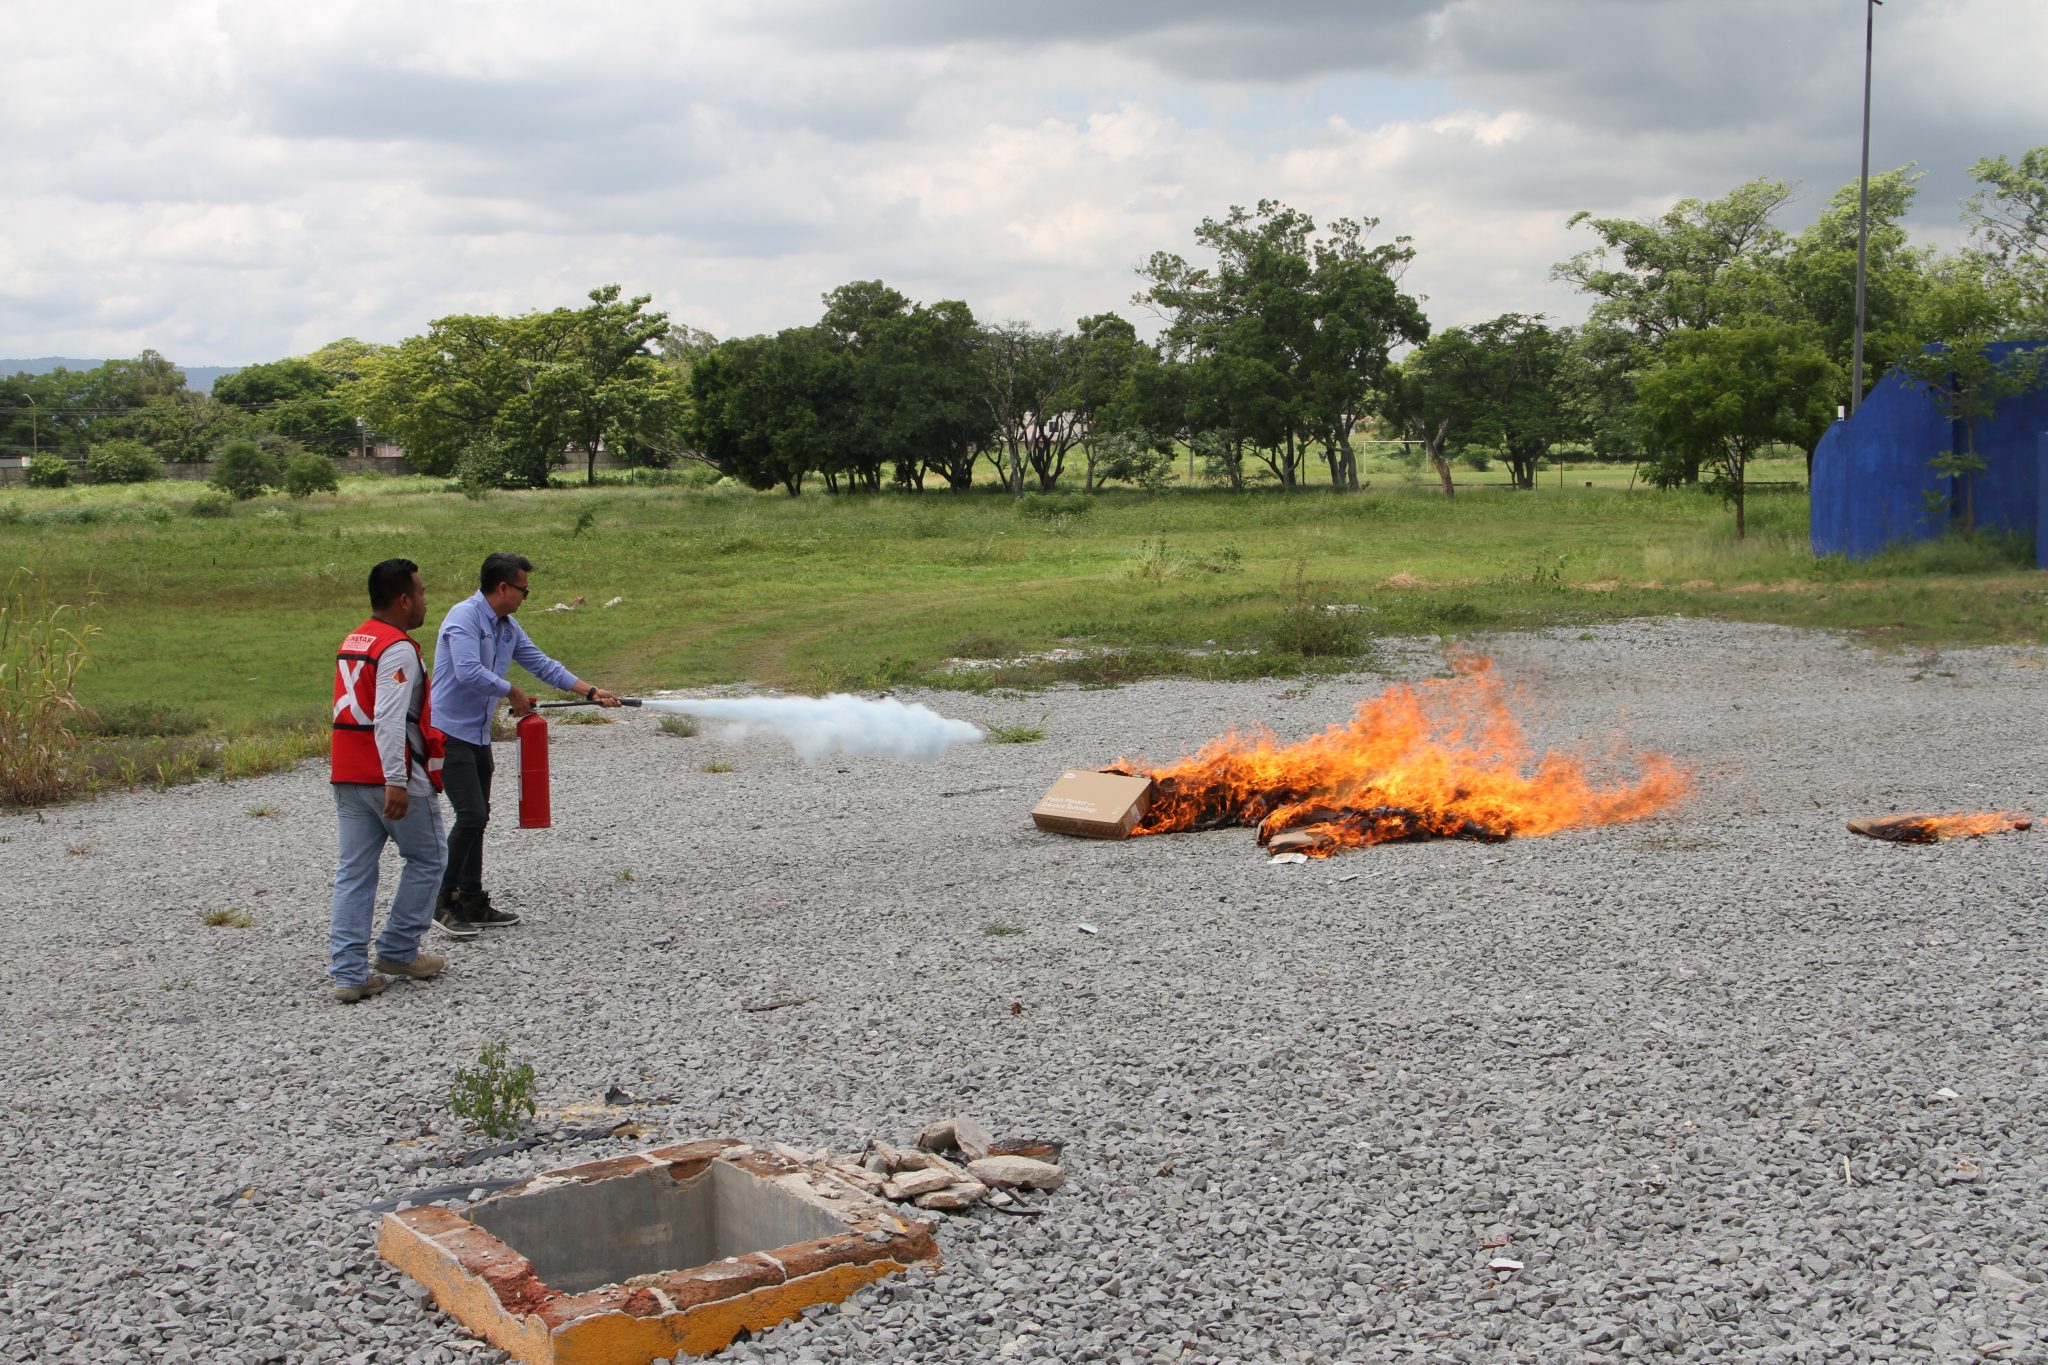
474	651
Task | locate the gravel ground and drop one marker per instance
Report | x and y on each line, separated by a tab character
1731	1085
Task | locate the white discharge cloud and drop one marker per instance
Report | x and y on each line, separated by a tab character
835	724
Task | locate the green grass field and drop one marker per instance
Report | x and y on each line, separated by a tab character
227	624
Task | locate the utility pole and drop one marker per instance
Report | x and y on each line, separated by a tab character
1863	212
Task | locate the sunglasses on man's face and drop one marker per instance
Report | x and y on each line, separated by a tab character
519	588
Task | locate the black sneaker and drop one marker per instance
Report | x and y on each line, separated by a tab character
476	909
450	922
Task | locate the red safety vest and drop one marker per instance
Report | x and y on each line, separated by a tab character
353	755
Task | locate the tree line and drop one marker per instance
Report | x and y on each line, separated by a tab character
1279	345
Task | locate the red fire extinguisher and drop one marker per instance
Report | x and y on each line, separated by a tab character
535	811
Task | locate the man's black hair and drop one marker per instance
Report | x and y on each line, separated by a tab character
390	581
502	568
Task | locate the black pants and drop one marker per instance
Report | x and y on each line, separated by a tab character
466	778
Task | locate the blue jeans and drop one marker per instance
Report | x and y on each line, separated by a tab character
360	809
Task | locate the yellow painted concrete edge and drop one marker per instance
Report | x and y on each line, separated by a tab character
464	1295
608	1338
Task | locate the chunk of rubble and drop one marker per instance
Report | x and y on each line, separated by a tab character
910	1184
958	1134
954	1197
1017	1173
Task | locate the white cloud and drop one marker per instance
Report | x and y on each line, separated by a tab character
230	181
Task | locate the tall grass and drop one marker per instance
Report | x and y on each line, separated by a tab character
43	645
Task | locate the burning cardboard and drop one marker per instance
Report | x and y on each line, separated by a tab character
1442	759
1094	805
1934	829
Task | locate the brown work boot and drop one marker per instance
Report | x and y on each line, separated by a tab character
348	995
419	969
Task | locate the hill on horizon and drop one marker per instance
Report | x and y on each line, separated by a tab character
198	378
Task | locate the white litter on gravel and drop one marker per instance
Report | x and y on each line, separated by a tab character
1733	1084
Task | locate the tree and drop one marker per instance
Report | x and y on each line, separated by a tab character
2009	211
307	473
438	393
294	398
1435	391
1699	264
1726	392
1297	327
2008	215
754	406
1518	399
1820	267
530	386
1947	345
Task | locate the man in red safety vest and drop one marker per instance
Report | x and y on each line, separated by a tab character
386	767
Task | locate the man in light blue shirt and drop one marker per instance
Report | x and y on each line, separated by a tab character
477	646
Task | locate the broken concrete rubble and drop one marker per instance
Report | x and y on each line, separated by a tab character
1017	1173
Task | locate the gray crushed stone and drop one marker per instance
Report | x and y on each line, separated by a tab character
1730	1085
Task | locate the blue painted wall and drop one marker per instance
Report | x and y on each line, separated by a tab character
1871	480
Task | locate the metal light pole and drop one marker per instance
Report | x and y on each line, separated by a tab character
1863	212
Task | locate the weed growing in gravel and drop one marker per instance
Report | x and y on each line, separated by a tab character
1017	734
998	929
78	850
226	919
262	812
717	765
681	727
494	1097
582	718
625	874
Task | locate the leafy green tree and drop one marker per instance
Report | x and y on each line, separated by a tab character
1701	263
294	398
1947	345
345	359
1519	401
243	469
1727	392
123	461
1029	380
183	426
438	393
1295	329
754	412
1820	266
2008	215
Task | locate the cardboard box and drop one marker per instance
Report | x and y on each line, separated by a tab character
1094	805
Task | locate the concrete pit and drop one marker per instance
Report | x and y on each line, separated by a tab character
668	1252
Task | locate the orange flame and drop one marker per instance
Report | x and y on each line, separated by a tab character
1443	759
1933	829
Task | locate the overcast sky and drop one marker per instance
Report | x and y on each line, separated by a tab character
235	180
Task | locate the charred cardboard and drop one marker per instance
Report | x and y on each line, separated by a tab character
1093	805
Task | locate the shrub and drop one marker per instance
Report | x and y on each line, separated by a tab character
48	471
212	503
243	469
1051	506
1311	628
489	463
122	462
492	1097
43	645
307	473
